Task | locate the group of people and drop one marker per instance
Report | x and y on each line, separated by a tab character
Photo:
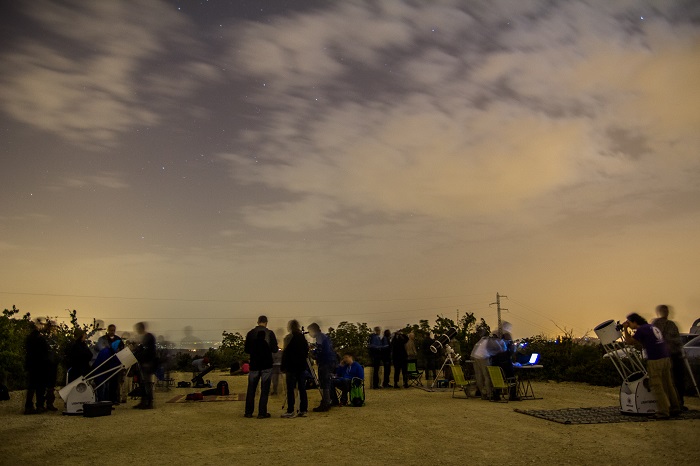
664	353
42	359
262	346
397	350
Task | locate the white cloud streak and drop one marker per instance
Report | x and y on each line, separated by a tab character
86	78
488	125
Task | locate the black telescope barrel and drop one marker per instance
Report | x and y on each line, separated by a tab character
443	340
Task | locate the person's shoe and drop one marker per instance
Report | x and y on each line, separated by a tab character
30	411
335	403
273	393
322	408
139	406
40	410
51	408
676	413
386	385
684	408
405	386
264	415
287	415
124	400
343	402
660	417
248	415
301	414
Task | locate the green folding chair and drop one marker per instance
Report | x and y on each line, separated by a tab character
460	380
415	377
499	382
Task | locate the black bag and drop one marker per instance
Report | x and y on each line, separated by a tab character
222	388
4	393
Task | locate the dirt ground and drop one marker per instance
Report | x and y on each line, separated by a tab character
397	426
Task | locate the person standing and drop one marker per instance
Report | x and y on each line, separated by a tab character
276	369
658	363
672	337
36	364
260	343
386	357
400	357
112	341
484	349
375	346
294	365
147	357
78	356
327	361
52	369
411	350
430	357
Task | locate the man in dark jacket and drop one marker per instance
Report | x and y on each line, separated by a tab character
78	356
400	357
327	360
147	357
260	343
37	365
294	365
430	357
377	345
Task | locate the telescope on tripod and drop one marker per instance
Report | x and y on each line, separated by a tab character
451	357
635	392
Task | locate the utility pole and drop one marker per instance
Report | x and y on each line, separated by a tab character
499	309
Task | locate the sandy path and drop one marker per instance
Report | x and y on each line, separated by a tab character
397	426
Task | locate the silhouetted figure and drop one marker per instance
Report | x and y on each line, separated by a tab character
36	364
78	356
148	363
400	357
294	365
260	343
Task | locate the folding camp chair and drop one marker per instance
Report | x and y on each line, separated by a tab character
460	381
500	383
356	392
415	377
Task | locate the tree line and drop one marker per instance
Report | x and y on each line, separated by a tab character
564	359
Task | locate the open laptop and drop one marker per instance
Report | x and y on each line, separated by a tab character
534	358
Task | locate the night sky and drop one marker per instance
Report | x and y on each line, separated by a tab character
200	163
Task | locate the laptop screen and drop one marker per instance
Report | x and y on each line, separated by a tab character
533	358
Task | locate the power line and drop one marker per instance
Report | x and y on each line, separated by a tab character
344	314
240	301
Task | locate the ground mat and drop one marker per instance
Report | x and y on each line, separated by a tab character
233	397
604	415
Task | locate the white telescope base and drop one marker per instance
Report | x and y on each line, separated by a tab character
76	394
636	396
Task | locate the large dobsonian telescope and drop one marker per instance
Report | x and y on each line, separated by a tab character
635	392
81	390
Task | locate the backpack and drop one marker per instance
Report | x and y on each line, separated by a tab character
194	397
4	393
222	388
357	394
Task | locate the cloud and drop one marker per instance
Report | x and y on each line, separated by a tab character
109	180
448	123
87	77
